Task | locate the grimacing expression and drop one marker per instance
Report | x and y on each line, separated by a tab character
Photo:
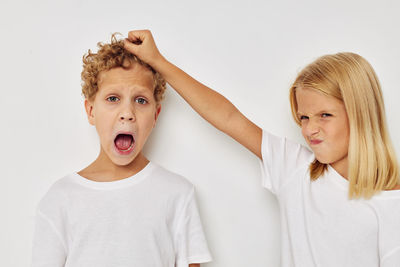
124	111
324	126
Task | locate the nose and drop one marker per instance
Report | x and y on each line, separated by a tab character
127	114
311	128
126	118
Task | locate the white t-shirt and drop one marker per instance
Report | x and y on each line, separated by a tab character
149	219
320	225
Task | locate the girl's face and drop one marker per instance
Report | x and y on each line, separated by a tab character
325	127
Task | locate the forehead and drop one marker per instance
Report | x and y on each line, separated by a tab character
137	76
313	101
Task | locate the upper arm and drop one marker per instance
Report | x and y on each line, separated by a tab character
194	265
189	239
48	247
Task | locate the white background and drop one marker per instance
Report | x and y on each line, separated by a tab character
250	51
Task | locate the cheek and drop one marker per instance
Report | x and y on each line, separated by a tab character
345	140
103	123
341	132
102	131
340	139
146	122
303	132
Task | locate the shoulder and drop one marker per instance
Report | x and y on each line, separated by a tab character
387	202
171	188
387	208
61	185
386	205
56	195
282	161
171	180
284	149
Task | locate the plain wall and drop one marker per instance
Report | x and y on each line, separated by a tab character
250	51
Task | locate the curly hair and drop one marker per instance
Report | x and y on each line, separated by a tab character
113	55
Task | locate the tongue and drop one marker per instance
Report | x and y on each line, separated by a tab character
123	141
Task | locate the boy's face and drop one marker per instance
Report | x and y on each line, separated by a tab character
124	112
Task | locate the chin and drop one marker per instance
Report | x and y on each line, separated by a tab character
123	161
323	160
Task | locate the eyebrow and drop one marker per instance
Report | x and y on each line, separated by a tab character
319	112
139	90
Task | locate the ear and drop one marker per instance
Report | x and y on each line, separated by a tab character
158	110
89	111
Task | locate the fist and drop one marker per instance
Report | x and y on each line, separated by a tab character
141	44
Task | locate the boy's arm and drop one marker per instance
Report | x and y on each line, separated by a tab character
48	250
194	265
212	106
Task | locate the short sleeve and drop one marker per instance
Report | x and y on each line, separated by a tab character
50	234
48	247
387	208
280	159
190	242
392	259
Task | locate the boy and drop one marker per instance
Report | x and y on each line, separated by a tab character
122	210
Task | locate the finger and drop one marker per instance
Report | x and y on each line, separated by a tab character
136	42
133	36
136	35
131	47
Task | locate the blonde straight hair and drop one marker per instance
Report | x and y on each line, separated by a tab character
373	166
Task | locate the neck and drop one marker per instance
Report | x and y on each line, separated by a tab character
341	167
104	170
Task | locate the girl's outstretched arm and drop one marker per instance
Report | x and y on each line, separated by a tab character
212	106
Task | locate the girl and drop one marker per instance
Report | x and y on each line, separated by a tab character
339	202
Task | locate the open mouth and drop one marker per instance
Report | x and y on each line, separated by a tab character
124	142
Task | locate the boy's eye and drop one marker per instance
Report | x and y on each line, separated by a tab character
112	98
141	100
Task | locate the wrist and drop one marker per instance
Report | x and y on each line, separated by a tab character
158	63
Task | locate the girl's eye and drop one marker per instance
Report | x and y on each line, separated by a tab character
141	100
325	115
303	118
112	98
